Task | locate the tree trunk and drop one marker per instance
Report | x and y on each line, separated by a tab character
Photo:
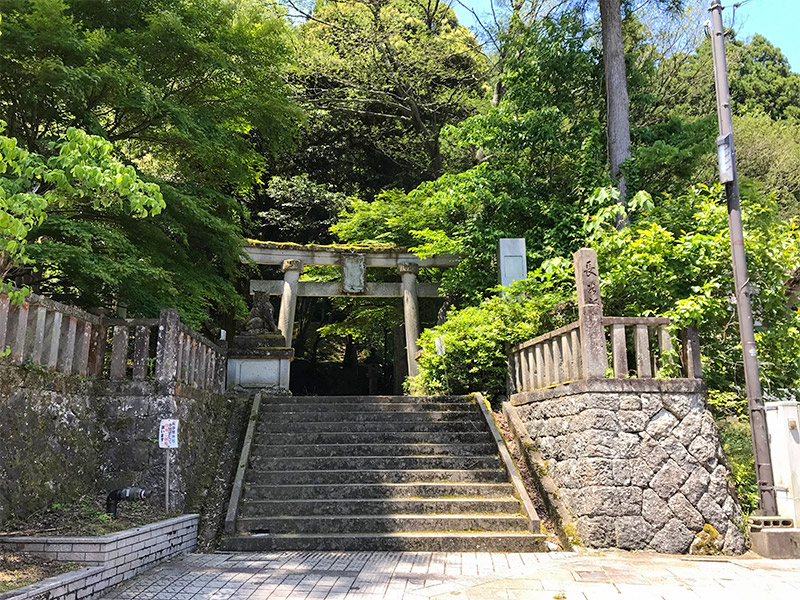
619	129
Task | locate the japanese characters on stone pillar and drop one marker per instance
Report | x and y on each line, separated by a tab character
408	276
292	269
590	314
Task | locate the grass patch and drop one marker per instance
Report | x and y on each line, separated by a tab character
86	517
19	569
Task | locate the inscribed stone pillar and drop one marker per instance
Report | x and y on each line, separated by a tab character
292	269
590	314
169	324
408	276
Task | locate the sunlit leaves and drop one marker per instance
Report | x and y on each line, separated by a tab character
81	174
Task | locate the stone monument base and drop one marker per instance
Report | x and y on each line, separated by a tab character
259	362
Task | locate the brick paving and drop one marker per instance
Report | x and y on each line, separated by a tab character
460	576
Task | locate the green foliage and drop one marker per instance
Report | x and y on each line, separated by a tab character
475	338
382	79
181	82
674	260
179	259
193	95
738	447
541	151
769	151
760	80
82	175
299	210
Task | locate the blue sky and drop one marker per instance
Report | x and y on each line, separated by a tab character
777	20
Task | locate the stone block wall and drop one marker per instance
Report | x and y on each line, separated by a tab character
638	462
49	439
130	416
63	436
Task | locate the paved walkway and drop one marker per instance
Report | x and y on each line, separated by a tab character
461	576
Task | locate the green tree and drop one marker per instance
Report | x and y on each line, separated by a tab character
298	210
542	155
191	93
760	80
81	175
672	260
396	71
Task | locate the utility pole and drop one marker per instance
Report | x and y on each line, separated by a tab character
727	175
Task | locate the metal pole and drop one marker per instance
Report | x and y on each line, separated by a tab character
755	403
166	482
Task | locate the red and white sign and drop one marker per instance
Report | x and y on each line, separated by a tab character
168	433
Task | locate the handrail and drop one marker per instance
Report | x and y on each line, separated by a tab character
547	336
65	339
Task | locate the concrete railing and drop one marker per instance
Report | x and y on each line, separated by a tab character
61	338
52	335
580	350
548	359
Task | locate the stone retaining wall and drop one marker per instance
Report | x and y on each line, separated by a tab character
63	436
638	463
113	558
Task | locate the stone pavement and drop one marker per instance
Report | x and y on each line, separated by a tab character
461	576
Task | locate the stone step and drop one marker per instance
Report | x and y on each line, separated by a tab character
376	476
347	463
319	400
454	541
313	416
405	506
369	437
382	523
254	491
389	407
375	429
292	450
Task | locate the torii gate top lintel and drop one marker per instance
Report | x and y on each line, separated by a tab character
375	255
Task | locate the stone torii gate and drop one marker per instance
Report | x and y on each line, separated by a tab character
353	260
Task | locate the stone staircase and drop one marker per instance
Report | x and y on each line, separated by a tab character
377	473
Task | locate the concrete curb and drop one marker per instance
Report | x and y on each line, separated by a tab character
533	518
112	558
238	482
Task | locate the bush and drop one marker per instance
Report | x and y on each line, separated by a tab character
474	338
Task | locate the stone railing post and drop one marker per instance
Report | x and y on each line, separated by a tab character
590	314
292	269
167	349
690	341
408	277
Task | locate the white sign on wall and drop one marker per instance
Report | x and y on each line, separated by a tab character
168	433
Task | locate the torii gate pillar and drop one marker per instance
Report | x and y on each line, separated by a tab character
292	269
408	277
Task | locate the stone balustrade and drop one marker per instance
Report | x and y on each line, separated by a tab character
548	359
61	338
556	357
580	351
52	335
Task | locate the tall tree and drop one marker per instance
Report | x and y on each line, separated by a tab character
399	70
192	93
617	100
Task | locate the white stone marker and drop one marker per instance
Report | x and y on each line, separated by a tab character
512	259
